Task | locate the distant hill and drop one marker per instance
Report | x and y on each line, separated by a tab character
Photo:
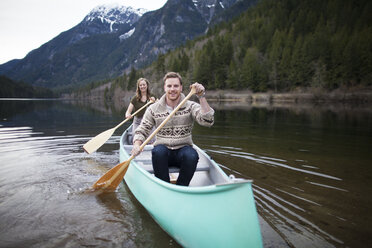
12	89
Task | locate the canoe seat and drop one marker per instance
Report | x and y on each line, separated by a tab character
129	139
147	165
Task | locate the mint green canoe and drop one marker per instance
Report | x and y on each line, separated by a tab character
214	211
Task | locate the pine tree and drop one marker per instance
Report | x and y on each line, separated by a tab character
132	79
202	71
184	62
160	64
254	72
233	80
298	74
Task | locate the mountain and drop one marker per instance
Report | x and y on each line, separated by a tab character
234	10
279	46
67	58
112	39
8	66
12	89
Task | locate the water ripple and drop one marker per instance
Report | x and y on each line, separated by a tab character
269	161
286	203
327	186
43	179
295	228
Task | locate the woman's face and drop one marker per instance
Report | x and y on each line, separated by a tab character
142	86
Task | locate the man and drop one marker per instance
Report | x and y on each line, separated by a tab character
173	145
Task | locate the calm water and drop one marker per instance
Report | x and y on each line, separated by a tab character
311	167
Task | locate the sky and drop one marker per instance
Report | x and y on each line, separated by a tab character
27	24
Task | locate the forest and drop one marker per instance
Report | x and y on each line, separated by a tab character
12	89
279	46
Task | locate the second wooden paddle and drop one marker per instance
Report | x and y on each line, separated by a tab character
96	142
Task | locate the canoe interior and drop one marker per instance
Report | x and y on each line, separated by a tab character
207	171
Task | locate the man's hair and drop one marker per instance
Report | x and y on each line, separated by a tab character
172	75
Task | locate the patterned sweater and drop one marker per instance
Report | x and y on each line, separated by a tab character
176	133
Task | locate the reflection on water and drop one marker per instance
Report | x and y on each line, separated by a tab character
44	174
311	169
310	166
281	210
269	161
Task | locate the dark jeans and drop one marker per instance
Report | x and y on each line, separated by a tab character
185	158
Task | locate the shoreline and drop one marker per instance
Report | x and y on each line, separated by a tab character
359	96
352	99
338	96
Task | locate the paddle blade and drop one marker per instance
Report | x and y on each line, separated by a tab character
111	180
96	142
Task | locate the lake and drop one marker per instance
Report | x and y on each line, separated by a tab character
310	165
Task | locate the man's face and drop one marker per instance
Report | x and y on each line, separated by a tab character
173	89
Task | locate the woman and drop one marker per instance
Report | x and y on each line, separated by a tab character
142	96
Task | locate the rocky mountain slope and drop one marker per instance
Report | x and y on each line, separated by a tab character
112	39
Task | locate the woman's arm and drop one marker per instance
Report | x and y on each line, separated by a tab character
130	108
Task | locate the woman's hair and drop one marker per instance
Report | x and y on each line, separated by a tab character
138	91
172	75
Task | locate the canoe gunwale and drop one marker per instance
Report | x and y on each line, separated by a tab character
190	190
185	189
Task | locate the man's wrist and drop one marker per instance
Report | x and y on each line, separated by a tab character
202	95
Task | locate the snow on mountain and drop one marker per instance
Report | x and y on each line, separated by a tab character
209	8
127	34
114	15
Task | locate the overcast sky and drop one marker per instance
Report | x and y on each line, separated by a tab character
27	24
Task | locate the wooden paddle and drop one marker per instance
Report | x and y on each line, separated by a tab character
112	179
96	142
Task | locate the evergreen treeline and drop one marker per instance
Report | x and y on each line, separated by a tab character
10	88
278	45
283	44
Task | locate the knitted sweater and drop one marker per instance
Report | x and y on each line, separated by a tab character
176	133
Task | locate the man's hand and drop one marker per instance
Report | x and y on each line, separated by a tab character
199	89
200	92
136	148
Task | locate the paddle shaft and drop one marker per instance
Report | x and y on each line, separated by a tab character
127	119
122	166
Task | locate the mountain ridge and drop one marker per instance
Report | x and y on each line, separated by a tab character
103	48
